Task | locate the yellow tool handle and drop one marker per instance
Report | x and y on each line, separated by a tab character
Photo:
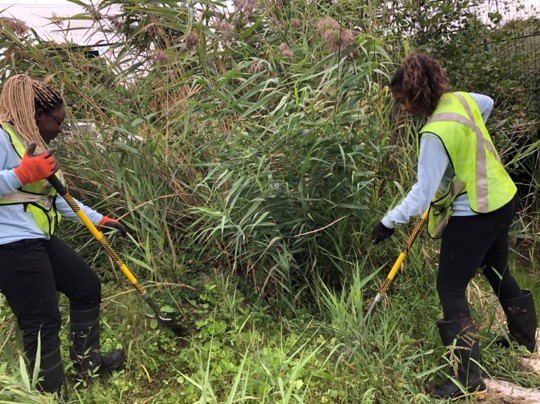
395	268
61	189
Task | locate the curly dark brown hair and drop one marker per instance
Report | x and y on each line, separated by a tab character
422	80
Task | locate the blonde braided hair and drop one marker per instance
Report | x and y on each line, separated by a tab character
22	98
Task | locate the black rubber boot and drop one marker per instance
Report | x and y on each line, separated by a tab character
84	351
51	372
467	353
521	319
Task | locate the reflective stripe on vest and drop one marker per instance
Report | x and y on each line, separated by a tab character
22	197
37	197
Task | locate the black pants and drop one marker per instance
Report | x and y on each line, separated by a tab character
470	243
31	273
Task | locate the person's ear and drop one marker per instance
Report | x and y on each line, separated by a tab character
39	115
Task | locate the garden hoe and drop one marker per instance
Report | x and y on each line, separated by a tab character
167	322
390	277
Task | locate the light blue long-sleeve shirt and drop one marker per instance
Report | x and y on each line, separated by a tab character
15	223
434	171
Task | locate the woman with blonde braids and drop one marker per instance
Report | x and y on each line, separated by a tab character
35	263
472	201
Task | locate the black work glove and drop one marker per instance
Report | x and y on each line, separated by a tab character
381	232
114	224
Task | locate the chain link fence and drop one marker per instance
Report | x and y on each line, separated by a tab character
519	23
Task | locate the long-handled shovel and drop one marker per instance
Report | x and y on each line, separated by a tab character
167	322
390	277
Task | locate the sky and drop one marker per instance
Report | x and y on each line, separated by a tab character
36	12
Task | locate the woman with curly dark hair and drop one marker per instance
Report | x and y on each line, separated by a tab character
472	201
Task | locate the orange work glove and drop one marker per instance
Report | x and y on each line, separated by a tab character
36	167
114	224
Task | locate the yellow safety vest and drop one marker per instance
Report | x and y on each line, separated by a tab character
478	169
37	197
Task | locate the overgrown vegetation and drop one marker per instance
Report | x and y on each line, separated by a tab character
250	153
